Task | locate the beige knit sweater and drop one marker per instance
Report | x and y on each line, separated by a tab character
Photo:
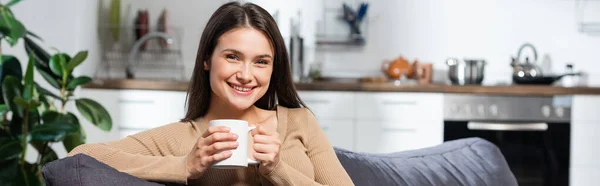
159	154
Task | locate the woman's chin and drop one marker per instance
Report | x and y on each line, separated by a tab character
241	104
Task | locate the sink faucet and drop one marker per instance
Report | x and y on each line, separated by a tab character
129	71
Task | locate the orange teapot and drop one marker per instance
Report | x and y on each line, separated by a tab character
394	69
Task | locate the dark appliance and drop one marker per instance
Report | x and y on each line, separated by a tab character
533	133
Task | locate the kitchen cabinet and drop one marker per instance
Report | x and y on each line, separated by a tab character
584	176
386	136
335	113
585	122
133	111
392	122
378	122
340	132
329	104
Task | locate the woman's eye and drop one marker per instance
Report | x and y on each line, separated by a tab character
232	57
262	62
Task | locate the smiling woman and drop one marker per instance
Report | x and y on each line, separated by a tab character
241	73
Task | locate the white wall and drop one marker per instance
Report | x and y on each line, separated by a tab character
434	30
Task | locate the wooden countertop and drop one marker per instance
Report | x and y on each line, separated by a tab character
525	90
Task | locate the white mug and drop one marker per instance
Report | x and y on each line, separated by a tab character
239	156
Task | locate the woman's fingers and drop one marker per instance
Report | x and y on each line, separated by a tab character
219	146
215	129
219	136
265	148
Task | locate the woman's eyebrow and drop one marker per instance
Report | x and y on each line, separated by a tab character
234	51
265	56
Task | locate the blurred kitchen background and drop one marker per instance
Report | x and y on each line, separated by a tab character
381	75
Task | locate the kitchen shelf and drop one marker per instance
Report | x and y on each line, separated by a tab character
333	30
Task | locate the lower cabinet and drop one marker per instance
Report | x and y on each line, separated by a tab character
584	175
381	136
133	111
340	132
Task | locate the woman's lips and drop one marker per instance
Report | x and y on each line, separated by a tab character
241	90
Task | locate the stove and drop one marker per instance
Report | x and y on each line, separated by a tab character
532	132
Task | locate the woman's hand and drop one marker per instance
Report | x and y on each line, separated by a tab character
266	148
211	147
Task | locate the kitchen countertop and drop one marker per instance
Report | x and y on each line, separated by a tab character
525	90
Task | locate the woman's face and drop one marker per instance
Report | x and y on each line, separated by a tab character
241	67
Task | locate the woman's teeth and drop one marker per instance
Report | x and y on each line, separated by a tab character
241	89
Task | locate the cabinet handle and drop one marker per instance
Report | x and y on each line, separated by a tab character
136	101
317	101
391	129
507	126
391	102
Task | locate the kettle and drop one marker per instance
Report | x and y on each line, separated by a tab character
527	68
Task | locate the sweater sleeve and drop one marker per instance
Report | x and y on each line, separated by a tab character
328	169
148	155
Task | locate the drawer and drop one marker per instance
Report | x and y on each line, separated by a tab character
340	132
329	104
584	144
388	136
585	107
399	106
149	109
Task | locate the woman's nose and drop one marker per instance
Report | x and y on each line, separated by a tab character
244	75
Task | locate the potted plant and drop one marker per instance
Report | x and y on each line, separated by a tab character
35	116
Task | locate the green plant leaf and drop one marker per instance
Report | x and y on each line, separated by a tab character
34	35
11	28
78	59
49	78
42	57
34	118
95	113
81	80
45	92
9	65
3	109
16	125
11	88
50	116
76	138
28	81
52	132
8	172
20	101
10	149
55	64
33	179
11	3
48	157
48	154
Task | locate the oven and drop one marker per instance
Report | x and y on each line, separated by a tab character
532	132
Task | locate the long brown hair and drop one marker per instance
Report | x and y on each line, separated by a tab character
227	17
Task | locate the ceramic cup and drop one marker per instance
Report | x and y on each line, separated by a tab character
239	157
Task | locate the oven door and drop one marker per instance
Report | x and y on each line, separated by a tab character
536	152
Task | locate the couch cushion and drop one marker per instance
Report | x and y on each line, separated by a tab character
470	161
83	170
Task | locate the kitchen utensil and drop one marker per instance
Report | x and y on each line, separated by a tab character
540	80
526	68
423	73
395	69
465	72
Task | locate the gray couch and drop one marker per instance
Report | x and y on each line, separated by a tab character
471	161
